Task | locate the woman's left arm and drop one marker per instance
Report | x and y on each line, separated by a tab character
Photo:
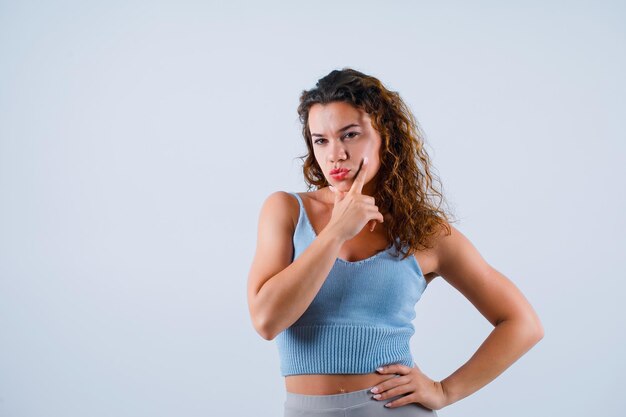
517	326
517	329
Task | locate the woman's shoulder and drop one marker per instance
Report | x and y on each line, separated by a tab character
281	205
281	201
290	198
450	246
285	204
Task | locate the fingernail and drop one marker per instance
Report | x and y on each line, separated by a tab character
377	396
379	369
365	160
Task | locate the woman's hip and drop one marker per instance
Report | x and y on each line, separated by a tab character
351	404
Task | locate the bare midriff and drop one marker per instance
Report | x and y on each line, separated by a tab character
315	384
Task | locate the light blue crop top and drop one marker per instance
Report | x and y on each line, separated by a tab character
360	319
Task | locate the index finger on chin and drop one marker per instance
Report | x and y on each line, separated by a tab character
359	177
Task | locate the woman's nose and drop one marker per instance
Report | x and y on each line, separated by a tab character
338	151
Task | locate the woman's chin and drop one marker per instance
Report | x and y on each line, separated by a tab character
342	187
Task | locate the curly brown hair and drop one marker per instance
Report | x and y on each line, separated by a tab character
405	193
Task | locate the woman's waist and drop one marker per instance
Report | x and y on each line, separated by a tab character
330	384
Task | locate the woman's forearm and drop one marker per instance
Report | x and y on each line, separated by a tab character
287	295
507	342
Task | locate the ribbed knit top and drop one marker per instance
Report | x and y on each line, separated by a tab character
360	319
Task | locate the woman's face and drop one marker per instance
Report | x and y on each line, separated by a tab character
341	136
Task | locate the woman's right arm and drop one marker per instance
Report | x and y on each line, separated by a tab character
280	291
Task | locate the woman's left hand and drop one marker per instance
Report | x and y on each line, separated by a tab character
411	381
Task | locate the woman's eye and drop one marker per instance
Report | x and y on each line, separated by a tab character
351	133
317	141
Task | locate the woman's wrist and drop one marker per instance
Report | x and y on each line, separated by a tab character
331	235
448	395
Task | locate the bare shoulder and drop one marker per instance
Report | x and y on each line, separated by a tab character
315	196
451	247
279	205
448	246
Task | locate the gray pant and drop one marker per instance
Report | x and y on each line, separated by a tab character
351	404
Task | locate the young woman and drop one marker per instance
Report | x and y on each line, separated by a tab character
338	270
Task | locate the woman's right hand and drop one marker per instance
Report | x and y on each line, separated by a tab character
353	210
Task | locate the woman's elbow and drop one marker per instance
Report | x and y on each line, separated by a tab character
528	327
533	328
266	334
263	329
539	330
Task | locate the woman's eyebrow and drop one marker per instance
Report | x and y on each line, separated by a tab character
340	130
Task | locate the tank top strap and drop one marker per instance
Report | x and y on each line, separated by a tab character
298	198
304	233
303	218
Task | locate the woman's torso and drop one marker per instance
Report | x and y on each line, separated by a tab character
362	246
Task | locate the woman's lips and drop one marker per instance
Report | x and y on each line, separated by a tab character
339	174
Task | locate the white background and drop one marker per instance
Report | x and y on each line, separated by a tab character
138	141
